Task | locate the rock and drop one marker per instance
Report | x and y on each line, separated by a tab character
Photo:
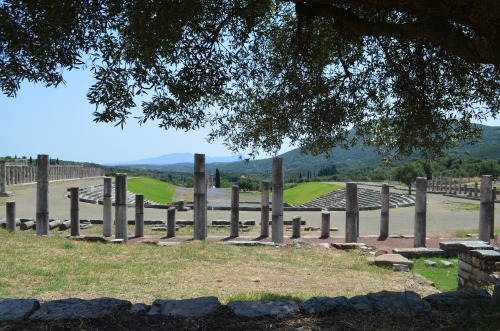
168	243
139	308
324	245
404	302
349	245
197	307
78	308
388	260
400	267
429	263
458	300
361	303
11	309
447	263
321	304
277	308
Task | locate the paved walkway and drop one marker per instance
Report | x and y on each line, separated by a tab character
442	221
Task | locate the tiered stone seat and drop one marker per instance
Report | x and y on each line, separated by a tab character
95	193
368	199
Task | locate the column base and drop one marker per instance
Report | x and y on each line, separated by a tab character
6	194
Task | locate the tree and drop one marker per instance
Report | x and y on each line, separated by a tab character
249	184
217	178
407	75
408	172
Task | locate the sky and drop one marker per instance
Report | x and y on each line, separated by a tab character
59	122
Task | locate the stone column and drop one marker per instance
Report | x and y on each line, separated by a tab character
235	211
3	180
384	212
475	188
264	212
487	209
75	211
433	182
42	195
278	206
139	215
325	224
121	229
171	222
296	227
351	213
420	212
450	185
106	208
11	216
459	184
200	198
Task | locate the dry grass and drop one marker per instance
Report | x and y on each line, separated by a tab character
55	268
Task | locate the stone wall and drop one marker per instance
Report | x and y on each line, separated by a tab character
478	265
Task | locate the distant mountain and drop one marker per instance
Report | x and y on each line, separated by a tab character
356	157
176	158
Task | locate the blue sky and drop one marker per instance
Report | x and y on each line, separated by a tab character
59	122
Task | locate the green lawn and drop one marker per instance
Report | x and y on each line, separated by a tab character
306	192
152	189
445	278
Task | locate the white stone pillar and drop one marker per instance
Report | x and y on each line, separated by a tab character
139	215
75	211
325	224
420	212
278	205
11	216
384	212
42	195
200	198
121	224
296	226
351	213
235	211
106	208
264	212
487	209
171	222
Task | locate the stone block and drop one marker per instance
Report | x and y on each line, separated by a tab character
447	263
430	263
321	304
11	309
453	245
400	267
419	252
388	260
466	247
348	245
486	255
197	307
78	308
459	300
260	308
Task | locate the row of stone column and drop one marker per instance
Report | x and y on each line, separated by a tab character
21	174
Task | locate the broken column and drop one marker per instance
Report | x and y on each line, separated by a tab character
325	224
106	208
139	215
121	225
200	198
11	216
278	206
264	211
487	209
420	212
351	213
171	222
235	211
296	226
42	195
384	212
75	211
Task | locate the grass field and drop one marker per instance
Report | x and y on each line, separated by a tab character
55	268
445	278
464	233
152	189
306	192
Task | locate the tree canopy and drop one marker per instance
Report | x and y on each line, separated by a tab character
406	75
